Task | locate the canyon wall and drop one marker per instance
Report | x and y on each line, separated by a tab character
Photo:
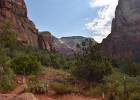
15	12
124	40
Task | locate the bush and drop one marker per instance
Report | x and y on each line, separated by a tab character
134	96
61	88
7	36
59	61
120	86
95	91
92	65
36	86
7	82
97	70
54	60
131	68
26	65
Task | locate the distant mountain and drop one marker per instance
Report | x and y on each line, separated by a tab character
67	45
74	40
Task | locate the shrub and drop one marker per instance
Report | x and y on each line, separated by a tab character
131	68
7	36
134	96
7	82
92	65
26	65
120	86
61	88
95	91
59	61
54	60
36	86
97	70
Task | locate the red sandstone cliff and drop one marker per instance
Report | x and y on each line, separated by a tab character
15	12
46	41
124	40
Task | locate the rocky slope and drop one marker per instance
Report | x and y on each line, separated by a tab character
124	40
15	12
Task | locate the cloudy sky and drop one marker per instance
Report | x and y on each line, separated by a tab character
91	18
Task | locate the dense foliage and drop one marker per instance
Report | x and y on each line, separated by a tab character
91	64
26	65
36	86
7	82
120	86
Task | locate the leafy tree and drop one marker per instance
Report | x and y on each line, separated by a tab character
26	65
7	82
130	67
92	65
8	38
120	86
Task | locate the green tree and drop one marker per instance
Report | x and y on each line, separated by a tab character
92	65
130	67
8	38
7	82
26	64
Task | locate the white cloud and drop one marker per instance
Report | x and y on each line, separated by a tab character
101	25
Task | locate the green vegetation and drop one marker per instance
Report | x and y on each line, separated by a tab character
7	36
61	88
26	65
121	86
90	72
36	86
92	62
7	82
95	91
131	68
54	60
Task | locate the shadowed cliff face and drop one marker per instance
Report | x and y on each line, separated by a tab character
124	40
46	41
16	13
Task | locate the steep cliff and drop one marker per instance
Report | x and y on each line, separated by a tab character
46	41
124	40
15	12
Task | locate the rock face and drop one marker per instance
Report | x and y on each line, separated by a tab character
124	40
16	13
46	41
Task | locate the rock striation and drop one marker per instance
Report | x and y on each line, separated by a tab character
124	40
46	41
15	12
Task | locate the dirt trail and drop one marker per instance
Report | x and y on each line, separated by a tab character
67	97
